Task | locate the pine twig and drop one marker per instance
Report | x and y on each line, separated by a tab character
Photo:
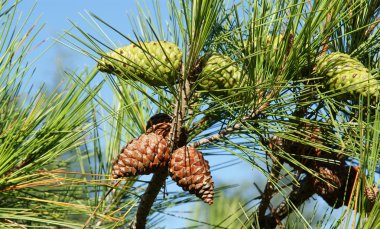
372	27
325	46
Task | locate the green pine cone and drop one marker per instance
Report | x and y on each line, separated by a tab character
346	74
219	75
156	63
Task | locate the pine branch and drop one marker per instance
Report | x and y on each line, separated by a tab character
148	198
269	188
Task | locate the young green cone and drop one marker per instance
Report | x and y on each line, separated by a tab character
220	76
157	63
346	74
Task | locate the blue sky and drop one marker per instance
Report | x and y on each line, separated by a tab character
56	15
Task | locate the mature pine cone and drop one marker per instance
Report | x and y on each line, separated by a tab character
143	155
347	74
192	172
309	154
219	75
157	62
160	124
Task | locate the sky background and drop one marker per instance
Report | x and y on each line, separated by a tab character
56	15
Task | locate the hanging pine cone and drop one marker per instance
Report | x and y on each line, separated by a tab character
157	63
371	193
143	155
309	154
159	124
192	172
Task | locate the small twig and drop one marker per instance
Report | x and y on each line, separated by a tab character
187	91
278	220
326	41
372	27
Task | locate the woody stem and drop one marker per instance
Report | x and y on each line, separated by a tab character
148	198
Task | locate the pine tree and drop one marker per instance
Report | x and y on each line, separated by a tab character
290	87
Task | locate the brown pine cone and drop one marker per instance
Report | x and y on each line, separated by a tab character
143	155
192	172
160	124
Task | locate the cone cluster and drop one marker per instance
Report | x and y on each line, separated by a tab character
151	152
219	75
346	74
157	63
